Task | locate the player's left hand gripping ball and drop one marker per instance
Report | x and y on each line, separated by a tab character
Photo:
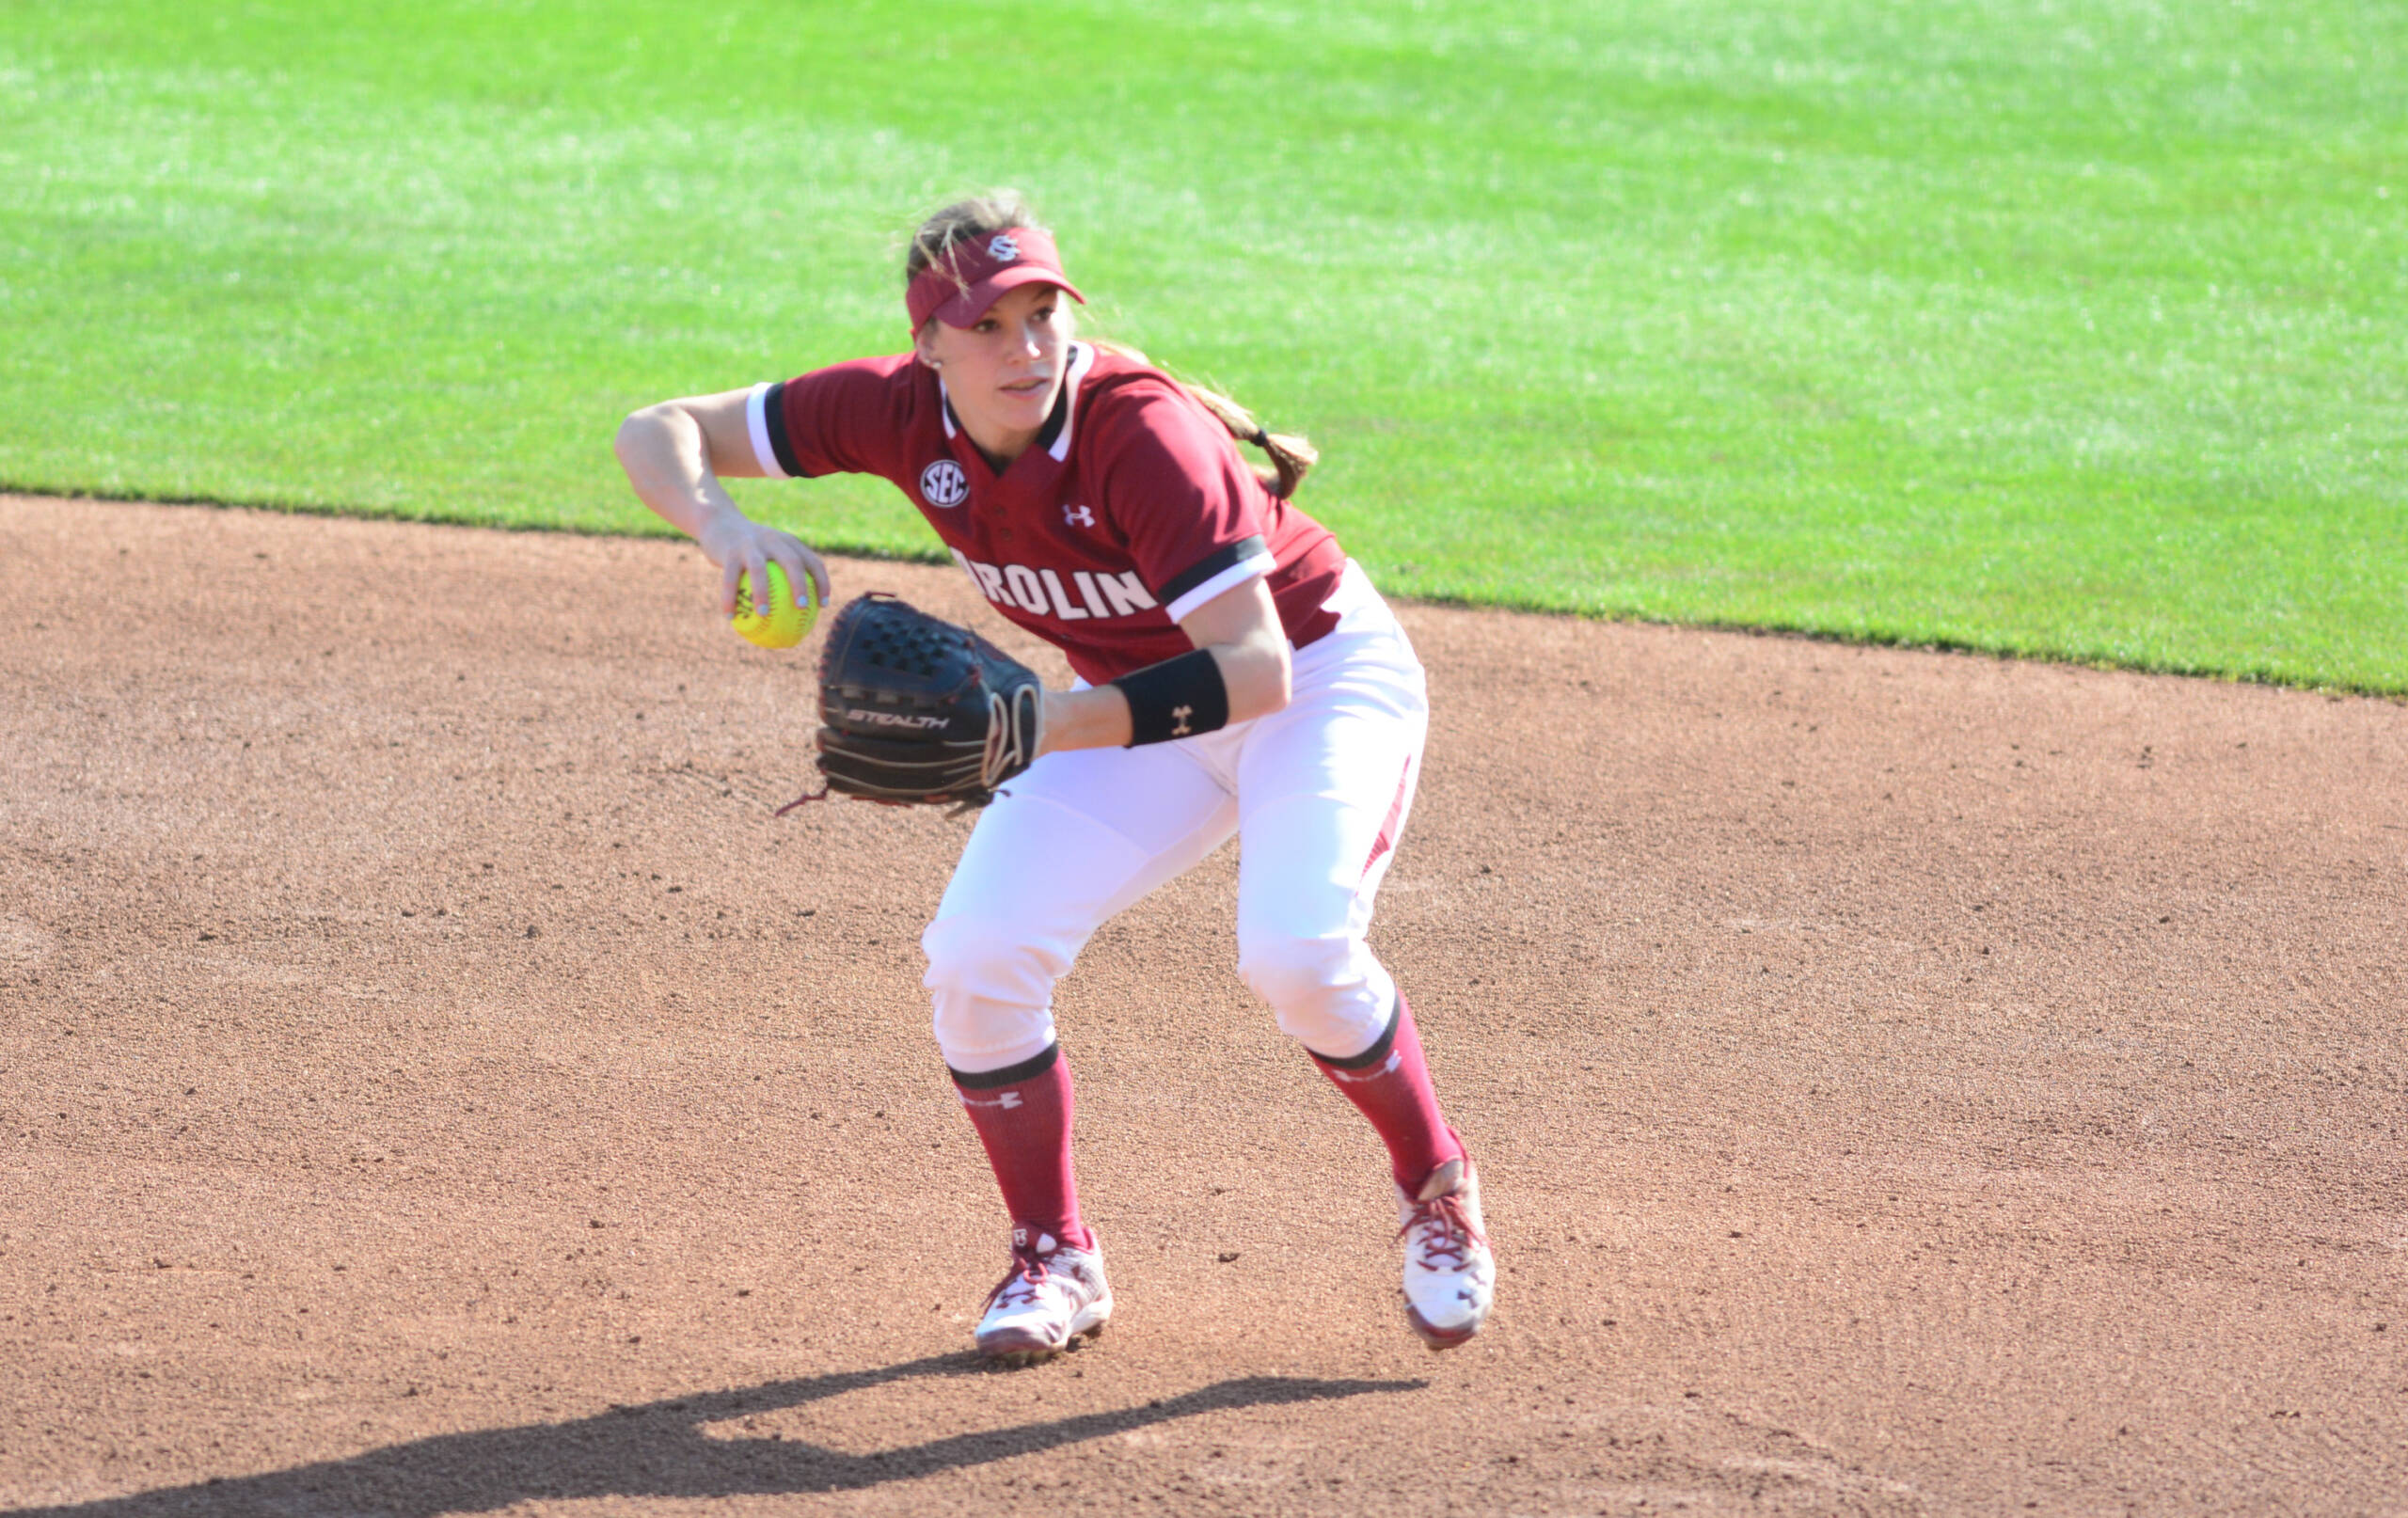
788	619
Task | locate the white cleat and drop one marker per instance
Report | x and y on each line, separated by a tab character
1055	1296
1450	1275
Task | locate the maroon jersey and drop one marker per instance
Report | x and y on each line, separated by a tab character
1131	508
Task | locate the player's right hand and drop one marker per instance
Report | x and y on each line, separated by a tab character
741	546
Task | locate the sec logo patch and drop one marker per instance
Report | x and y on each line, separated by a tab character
942	483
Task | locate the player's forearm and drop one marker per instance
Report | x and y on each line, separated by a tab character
663	451
1242	631
1096	719
1256	672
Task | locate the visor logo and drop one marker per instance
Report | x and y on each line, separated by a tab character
1002	249
942	483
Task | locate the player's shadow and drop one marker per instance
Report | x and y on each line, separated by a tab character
659	1450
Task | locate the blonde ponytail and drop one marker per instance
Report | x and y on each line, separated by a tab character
1291	456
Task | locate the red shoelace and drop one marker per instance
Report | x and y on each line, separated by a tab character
1455	1233
1028	1266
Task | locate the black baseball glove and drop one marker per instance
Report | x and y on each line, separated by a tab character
915	711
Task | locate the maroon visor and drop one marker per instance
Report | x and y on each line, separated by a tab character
974	272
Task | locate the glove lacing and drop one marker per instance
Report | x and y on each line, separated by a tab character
1012	733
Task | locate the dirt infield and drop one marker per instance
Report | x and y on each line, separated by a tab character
430	1082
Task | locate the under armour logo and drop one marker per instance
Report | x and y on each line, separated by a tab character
1077	516
1179	715
1008	1101
1002	249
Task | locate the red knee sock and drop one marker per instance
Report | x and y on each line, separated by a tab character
1022	1115
1390	1083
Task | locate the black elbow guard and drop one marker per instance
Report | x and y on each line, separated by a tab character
1175	699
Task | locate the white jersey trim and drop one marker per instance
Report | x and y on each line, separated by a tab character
1227	579
756	423
1082	359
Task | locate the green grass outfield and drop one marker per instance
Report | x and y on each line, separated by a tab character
2064	327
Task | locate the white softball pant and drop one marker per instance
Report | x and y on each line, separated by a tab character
1317	794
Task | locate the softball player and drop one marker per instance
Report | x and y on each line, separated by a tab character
1238	675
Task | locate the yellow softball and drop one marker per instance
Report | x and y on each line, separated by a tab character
787	622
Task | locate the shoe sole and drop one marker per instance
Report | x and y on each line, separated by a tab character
1440	1338
1021	1349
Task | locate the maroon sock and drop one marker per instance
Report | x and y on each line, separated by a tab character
1390	1082
1022	1114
